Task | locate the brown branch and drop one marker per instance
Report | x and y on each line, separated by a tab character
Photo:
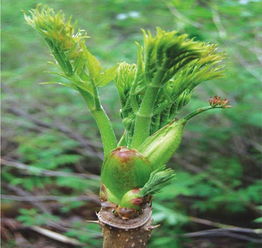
44	172
41	198
56	236
14	226
26	194
224	226
39	205
223	232
92	146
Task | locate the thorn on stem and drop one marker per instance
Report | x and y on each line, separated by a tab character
150	227
93	221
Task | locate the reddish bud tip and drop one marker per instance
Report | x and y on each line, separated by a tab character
217	101
124	154
137	201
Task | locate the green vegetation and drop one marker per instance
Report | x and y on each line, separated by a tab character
48	127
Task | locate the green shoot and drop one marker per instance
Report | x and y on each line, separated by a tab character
152	92
82	70
169	66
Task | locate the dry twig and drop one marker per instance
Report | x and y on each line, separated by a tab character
228	232
44	172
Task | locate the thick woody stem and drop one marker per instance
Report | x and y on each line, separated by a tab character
119	238
119	233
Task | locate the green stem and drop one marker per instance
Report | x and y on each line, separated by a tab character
106	130
133	101
122	141
200	110
103	122
144	115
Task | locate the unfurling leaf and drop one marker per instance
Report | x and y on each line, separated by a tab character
93	65
160	147
106	76
158	179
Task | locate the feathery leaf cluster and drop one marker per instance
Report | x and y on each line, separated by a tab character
67	45
152	91
174	65
157	180
82	69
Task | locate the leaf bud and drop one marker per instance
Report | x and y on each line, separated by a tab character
125	169
160	147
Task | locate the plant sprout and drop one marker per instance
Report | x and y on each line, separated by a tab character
152	92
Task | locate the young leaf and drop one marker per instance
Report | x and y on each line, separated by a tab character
106	76
158	179
93	65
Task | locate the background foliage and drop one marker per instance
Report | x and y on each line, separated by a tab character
51	147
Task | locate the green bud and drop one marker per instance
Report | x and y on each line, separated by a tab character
125	169
132	199
136	198
160	147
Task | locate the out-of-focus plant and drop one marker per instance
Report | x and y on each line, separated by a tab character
152	92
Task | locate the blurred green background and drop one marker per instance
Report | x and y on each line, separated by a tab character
51	151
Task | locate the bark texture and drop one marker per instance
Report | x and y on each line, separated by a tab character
119	233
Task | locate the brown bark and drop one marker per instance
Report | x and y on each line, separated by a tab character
119	233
